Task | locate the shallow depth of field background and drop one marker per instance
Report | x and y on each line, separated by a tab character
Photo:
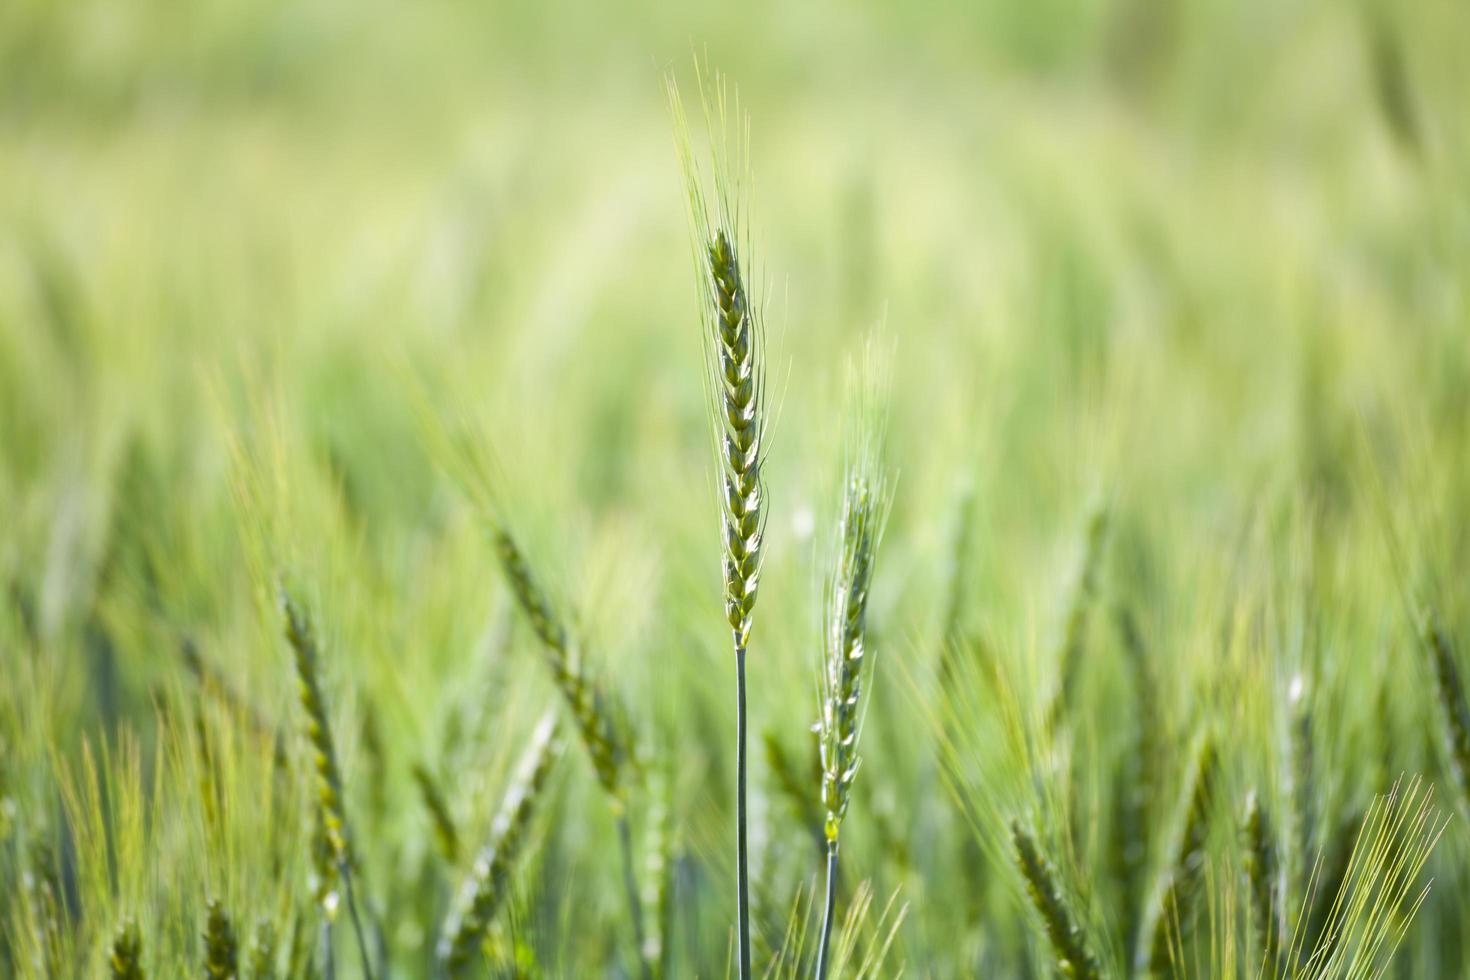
1203	263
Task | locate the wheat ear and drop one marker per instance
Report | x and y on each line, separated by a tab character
1455	716
588	704
864	510
734	343
1069	943
332	809
591	710
221	952
126	958
485	888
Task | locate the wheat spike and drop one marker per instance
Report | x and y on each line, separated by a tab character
589	705
1069	943
739	393
485	888
221	952
864	509
302	639
734	346
332	810
1454	714
126	957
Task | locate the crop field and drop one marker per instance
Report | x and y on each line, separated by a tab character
769	490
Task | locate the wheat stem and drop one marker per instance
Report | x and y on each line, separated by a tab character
742	901
829	906
302	639
630	884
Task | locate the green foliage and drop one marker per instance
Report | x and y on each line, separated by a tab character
394	307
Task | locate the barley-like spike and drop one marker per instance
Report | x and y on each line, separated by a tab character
1454	714
589	705
221	953
864	509
734	343
332	808
1180	883
445	833
1263	881
302	639
126	958
1074	957
485	889
739	394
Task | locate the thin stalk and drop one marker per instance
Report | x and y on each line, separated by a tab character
635	905
827	910
328	956
362	944
742	921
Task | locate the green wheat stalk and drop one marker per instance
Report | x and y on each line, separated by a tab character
864	510
734	342
333	812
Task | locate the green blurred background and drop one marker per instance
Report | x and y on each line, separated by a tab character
1205	261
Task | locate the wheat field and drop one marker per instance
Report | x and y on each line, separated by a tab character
771	490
